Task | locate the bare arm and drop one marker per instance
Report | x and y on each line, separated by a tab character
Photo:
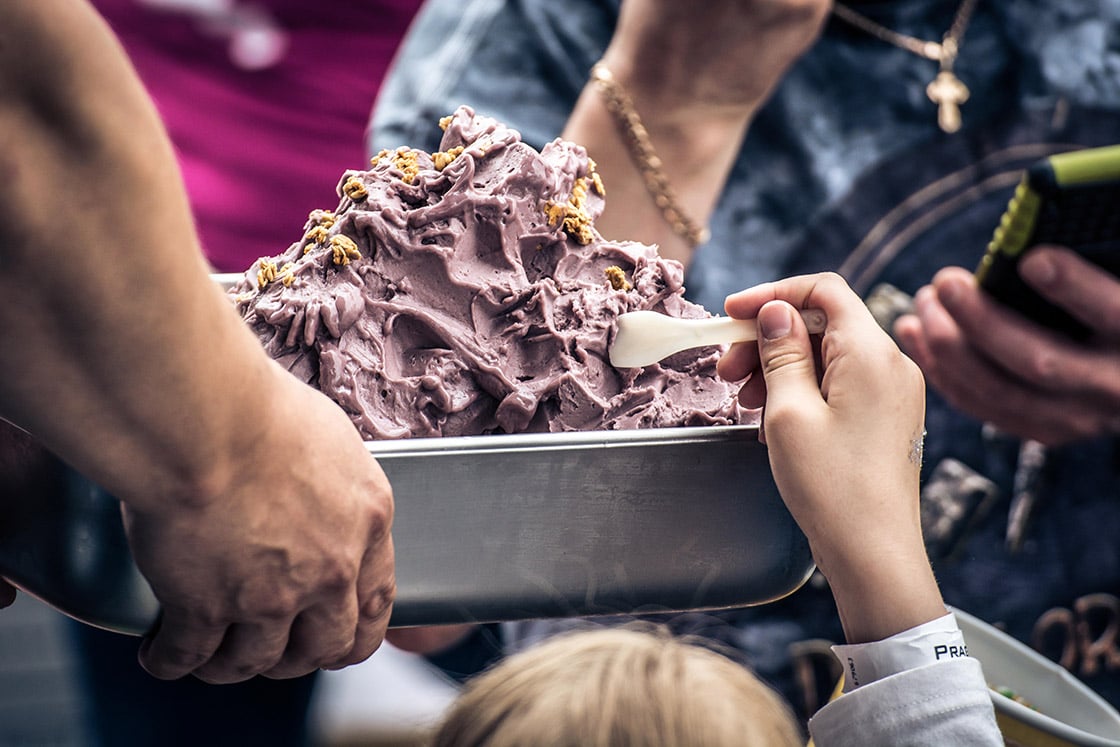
844	443
251	504
108	299
697	75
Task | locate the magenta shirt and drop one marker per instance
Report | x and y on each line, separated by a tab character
266	102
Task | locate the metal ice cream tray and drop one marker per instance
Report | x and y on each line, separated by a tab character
492	528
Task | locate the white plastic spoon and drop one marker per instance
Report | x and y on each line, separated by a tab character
645	337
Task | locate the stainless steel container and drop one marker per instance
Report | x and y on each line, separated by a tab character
491	528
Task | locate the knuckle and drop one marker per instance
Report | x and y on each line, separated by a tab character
207	613
780	357
379	602
369	638
780	415
339	574
1042	366
832	282
903	366
269	601
905	369
1091	425
260	658
379	517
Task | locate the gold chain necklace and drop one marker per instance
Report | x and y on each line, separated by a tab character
946	90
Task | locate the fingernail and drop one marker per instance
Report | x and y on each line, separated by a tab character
1038	269
925	296
775	321
949	293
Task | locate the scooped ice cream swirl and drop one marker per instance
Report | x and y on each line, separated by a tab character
467	292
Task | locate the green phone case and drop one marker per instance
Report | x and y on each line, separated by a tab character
1069	199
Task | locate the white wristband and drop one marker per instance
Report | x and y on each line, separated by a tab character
928	643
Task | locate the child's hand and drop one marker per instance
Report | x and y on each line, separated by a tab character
843	421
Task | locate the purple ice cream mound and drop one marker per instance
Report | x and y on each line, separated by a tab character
467	292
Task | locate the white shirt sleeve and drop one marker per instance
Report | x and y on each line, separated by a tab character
944	704
931	642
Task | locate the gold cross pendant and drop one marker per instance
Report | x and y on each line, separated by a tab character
948	92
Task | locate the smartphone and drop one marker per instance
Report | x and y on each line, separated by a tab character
1068	199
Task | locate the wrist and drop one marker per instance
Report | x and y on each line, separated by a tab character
237	417
675	102
251	431
883	592
722	63
651	168
664	172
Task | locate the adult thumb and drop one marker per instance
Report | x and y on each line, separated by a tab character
786	356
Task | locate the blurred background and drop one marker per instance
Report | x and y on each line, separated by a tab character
388	700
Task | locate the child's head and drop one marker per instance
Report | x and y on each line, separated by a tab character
618	686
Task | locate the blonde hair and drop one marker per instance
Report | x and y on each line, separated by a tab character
618	687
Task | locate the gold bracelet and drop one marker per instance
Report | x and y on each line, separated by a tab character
634	133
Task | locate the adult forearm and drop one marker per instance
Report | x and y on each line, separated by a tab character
250	502
117	350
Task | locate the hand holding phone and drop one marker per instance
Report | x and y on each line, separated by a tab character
1071	200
